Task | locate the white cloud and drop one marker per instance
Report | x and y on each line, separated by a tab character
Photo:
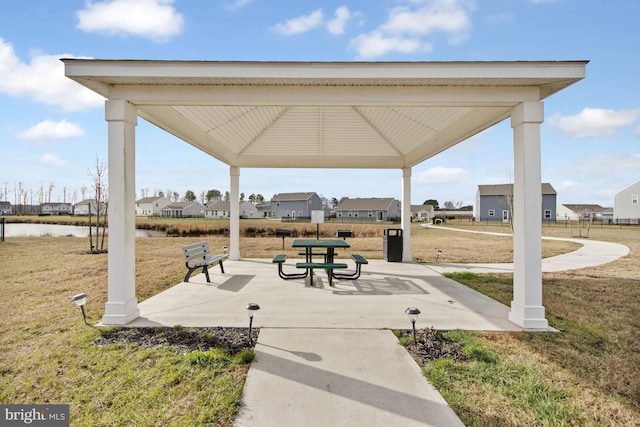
605	164
43	81
300	24
337	25
440	175
409	25
237	4
592	122
51	159
569	186
48	130
377	44
153	19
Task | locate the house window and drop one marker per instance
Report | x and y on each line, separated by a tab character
492	212
547	214
634	199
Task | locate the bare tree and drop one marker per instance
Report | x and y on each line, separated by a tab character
51	187
98	176
508	197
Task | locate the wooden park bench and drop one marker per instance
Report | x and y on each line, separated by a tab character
198	256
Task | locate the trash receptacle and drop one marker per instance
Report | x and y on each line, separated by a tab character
392	244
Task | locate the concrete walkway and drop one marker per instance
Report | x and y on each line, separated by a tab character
345	377
591	254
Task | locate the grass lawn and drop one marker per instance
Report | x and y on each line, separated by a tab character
584	375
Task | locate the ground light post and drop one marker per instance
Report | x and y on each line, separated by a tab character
80	300
251	309
413	313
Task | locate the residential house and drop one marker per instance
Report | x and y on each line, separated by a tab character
368	209
264	209
6	208
626	205
495	202
222	210
579	212
294	205
55	209
421	213
82	208
193	209
151	206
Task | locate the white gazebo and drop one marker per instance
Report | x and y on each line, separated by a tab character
374	115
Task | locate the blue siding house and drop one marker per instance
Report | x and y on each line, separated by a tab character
295	205
495	203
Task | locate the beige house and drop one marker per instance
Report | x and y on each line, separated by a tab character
151	206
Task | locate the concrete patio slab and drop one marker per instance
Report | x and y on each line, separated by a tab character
376	300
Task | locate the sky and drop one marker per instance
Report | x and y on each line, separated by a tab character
53	132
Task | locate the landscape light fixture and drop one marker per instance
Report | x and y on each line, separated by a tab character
224	248
80	300
438	253
252	307
413	314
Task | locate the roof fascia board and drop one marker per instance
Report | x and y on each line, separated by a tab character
324	96
315	70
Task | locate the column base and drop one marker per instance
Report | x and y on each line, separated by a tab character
529	318
120	313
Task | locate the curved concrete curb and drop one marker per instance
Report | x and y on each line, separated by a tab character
591	254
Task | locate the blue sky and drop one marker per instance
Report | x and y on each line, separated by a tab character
53	130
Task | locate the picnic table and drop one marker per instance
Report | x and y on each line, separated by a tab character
328	262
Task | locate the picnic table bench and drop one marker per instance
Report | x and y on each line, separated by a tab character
198	256
328	266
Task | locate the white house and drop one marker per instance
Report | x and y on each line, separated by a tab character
421	213
82	208
55	209
151	206
575	212
223	209
626	205
192	209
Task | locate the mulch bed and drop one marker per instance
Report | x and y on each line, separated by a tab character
234	340
431	344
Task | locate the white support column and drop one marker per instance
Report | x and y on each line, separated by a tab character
527	310
122	305
234	213
406	215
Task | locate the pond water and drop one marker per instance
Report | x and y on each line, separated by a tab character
55	230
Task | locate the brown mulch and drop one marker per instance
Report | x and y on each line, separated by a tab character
233	340
431	344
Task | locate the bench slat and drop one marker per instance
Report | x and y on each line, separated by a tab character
312	265
199	255
359	259
279	259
